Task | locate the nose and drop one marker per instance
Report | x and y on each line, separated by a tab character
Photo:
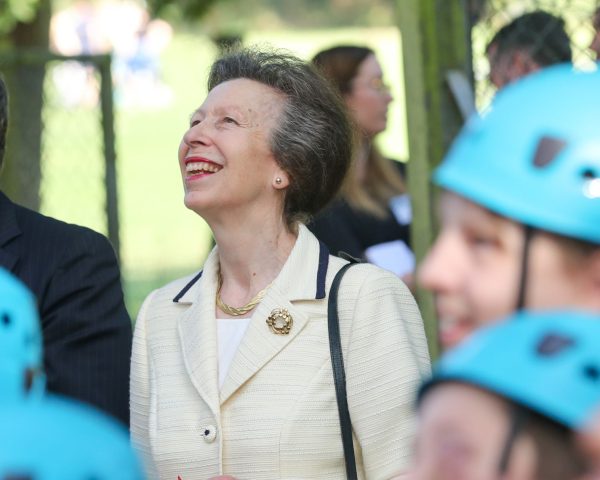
197	134
440	270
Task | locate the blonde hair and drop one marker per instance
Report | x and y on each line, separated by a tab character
381	182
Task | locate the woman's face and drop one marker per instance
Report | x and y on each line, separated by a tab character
369	98
225	157
474	270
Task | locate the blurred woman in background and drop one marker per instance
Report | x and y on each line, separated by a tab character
370	219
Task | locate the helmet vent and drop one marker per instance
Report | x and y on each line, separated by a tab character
592	372
5	319
552	344
547	150
589	174
591	186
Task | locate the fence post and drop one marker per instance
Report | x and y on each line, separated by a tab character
435	40
110	155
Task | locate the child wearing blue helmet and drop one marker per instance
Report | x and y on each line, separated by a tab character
520	210
505	403
20	342
46	437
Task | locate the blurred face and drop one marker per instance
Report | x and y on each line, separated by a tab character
508	67
461	433
589	442
474	270
595	45
369	99
225	157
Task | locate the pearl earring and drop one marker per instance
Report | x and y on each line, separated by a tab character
278	181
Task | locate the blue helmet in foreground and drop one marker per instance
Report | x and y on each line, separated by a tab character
547	362
57	439
20	339
534	156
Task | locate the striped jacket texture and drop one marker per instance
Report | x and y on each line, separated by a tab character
276	413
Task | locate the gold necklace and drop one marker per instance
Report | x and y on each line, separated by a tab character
237	311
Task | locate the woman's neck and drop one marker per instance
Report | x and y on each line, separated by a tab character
363	151
250	257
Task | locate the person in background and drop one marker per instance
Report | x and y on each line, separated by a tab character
231	369
508	401
74	275
595	43
520	207
371	217
44	436
530	42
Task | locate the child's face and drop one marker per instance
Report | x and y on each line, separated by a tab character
474	270
462	431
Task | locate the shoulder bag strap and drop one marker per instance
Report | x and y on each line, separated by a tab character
339	375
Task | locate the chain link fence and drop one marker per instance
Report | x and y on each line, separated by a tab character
77	157
536	37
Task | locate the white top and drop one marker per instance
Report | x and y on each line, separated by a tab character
230	332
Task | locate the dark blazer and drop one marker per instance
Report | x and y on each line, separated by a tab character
343	228
74	274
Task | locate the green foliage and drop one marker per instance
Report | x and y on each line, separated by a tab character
180	9
14	11
223	16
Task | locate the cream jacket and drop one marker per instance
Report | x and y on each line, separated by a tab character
276	414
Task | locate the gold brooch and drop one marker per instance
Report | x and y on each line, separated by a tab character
280	321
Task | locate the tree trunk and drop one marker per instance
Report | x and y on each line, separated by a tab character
21	175
435	40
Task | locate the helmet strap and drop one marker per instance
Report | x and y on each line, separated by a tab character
518	418
527	235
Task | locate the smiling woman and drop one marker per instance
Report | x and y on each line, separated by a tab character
225	156
231	371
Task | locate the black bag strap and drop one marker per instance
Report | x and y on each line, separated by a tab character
339	374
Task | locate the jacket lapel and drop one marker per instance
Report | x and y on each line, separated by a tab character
198	335
301	278
260	344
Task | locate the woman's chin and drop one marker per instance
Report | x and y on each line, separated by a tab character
374	130
196	203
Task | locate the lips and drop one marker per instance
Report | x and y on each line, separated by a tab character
453	332
198	166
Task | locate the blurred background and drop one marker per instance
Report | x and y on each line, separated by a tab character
101	93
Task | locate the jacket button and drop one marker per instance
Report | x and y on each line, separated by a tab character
209	433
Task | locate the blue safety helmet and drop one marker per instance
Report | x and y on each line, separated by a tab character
57	439
548	362
534	156
20	339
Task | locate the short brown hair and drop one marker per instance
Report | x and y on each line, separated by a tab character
542	35
312	141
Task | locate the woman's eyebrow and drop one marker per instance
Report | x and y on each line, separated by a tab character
231	109
198	111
